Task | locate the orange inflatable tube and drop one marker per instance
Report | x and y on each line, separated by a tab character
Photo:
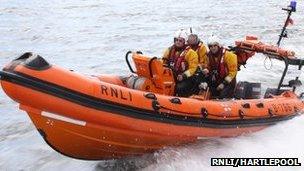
253	44
95	118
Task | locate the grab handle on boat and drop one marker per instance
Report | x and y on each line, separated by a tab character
260	105
270	112
155	105
204	113
241	114
175	100
128	63
150	96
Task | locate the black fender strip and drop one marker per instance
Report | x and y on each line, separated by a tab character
130	111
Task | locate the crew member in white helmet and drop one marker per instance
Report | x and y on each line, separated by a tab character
221	67
183	61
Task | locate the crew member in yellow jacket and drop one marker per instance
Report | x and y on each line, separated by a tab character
199	47
183	61
221	68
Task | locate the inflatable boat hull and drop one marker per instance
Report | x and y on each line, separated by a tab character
86	118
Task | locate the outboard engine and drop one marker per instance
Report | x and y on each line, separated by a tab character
247	90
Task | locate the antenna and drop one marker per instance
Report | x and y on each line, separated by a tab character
290	8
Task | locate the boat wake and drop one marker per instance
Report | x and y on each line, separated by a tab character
264	144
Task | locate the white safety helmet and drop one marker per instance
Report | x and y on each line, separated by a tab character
181	34
214	40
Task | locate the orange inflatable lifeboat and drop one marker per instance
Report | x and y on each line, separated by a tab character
106	117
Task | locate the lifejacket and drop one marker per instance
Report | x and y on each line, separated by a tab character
218	68
173	53
178	62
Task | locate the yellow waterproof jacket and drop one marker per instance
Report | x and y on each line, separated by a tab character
192	60
230	63
190	56
230	59
202	55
